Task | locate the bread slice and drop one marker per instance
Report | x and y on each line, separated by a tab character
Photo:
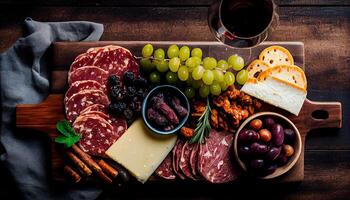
292	75
277	93
256	67
276	55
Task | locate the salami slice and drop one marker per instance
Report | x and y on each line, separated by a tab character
81	85
88	73
83	99
176	158
194	161
95	107
165	169
96	134
214	161
116	61
184	163
119	125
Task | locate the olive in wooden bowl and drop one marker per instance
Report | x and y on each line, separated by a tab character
267	145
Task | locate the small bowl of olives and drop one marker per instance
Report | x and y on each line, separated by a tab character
267	145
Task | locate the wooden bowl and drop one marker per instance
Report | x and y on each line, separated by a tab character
297	144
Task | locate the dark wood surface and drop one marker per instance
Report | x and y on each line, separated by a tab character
322	25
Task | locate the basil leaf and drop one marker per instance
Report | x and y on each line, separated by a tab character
61	139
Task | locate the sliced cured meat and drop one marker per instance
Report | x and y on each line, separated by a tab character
78	86
95	107
84	59
88	73
165	169
119	125
96	134
184	163
214	161
176	158
83	99
194	161
116	61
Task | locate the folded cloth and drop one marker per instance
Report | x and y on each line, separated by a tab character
24	79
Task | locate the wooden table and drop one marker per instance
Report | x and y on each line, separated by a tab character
324	27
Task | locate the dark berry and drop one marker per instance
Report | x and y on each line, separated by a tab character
141	82
117	93
131	91
135	104
128	114
129	78
113	80
117	108
141	93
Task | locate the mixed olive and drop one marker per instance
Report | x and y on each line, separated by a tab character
265	144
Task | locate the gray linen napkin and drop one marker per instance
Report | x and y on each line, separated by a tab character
24	79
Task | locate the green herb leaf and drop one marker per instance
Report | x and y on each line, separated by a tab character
68	137
203	126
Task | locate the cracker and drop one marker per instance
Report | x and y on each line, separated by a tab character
276	55
256	67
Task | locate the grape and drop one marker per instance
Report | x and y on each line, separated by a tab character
236	62
242	77
174	64
162	65
171	77
146	65
154	77
198	72
222	64
192	62
223	85
197	84
209	63
218	75
215	89
204	91
183	73
184	53
208	77
197	52
173	51
159	54
229	78
189	80
147	50
189	92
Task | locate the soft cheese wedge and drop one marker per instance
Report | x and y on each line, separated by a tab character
141	151
277	93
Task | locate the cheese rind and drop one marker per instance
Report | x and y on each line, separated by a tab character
141	151
277	93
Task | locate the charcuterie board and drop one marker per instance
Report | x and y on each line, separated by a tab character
43	116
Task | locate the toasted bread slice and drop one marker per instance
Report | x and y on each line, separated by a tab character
256	67
290	74
276	55
277	93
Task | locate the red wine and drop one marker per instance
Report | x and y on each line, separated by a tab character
246	18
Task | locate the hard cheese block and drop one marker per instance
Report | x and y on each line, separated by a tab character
141	151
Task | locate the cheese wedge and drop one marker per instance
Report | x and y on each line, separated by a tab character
141	151
277	93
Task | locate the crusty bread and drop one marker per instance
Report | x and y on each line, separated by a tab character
292	75
276	55
277	93
256	67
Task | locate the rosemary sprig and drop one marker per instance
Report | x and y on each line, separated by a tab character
203	126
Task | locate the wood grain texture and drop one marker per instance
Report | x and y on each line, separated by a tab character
324	31
160	2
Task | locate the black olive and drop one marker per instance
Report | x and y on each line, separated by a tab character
113	80
129	78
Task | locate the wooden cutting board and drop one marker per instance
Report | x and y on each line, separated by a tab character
43	116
